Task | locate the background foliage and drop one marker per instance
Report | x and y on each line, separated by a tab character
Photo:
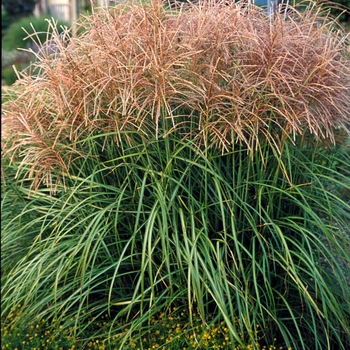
339	9
23	35
19	8
31	31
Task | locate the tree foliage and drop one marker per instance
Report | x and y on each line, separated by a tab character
19	8
338	8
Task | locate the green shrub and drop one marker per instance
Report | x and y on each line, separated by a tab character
5	21
28	30
19	59
186	159
339	8
9	75
29	33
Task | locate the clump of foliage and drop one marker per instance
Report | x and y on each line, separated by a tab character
189	159
338	8
31	32
24	36
5	21
171	328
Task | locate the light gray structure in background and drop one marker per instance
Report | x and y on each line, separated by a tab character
270	5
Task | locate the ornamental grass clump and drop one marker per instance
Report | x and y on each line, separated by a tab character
193	158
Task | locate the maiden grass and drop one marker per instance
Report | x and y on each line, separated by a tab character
148	229
177	169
